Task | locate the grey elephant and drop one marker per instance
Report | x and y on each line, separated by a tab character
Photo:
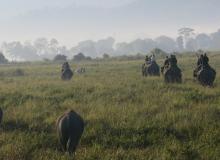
172	73
152	69
204	73
70	127
66	72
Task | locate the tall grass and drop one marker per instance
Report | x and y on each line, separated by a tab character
128	116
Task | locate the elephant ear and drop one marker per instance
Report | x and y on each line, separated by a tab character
58	120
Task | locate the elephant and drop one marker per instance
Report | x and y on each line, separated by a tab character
204	73
206	76
66	72
172	73
70	127
151	69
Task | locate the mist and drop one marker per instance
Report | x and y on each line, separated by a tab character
105	26
43	48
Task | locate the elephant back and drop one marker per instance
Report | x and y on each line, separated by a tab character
70	128
206	76
67	74
153	69
173	74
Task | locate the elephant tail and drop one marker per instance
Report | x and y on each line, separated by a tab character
71	146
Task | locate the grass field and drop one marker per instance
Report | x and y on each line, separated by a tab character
128	117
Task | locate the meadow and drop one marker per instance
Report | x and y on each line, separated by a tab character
128	117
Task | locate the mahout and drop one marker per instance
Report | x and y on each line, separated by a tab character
172	73
204	73
150	67
70	127
66	72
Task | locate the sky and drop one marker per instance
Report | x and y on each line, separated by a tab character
72	21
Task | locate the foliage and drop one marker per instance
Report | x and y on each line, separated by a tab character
105	56
81	57
60	57
3	60
159	53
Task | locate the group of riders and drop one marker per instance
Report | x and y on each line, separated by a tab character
203	72
150	60
170	60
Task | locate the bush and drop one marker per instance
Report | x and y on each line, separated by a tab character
3	60
60	57
106	56
81	57
159	53
18	72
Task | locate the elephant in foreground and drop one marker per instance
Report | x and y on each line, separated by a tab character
70	127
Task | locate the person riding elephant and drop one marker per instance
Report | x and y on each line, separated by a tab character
205	60
173	60
152	58
150	67
66	72
166	64
172	73
199	65
204	73
200	59
147	60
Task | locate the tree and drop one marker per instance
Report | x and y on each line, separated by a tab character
79	57
60	57
166	43
54	43
17	51
159	53
105	56
180	43
3	60
186	33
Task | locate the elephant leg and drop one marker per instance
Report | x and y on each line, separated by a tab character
72	144
63	142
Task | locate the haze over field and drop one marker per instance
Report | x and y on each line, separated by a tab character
98	26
